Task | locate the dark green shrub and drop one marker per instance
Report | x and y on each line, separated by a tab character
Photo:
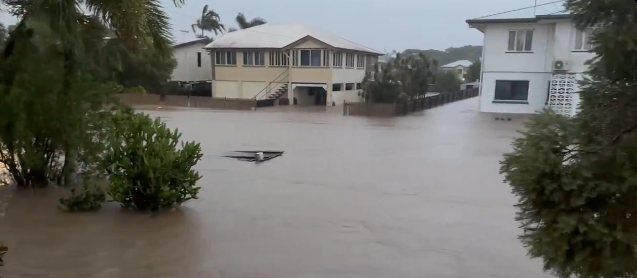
147	170
85	201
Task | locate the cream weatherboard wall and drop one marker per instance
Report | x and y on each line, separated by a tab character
193	63
242	81
552	40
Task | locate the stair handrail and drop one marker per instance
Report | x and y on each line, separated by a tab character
267	86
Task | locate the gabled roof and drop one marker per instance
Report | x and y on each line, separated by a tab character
464	63
282	35
184	44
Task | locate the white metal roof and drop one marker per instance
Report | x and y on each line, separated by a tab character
464	63
280	35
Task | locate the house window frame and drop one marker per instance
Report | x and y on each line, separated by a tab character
325	55
337	59
513	48
511	100
360	61
359	86
350	86
337	87
254	58
310	55
226	55
350	60
586	44
198	59
278	59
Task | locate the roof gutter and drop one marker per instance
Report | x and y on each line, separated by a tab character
519	20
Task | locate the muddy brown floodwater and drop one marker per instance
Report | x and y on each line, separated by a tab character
417	196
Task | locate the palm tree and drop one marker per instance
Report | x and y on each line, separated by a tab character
209	21
138	25
245	24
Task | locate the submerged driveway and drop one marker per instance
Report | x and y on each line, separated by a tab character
417	196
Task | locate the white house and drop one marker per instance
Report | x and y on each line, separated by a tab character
460	67
193	62
531	63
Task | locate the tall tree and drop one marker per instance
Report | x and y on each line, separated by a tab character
447	81
401	79
245	24
32	137
575	178
473	73
209	21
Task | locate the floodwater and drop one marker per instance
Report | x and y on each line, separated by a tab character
351	197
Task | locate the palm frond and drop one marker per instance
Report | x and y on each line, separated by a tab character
242	22
257	21
141	23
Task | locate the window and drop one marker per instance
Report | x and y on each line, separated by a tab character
326	58
520	41
360	61
349	86
295	57
198	59
338	59
253	58
336	87
511	90
359	86
583	39
349	60
310	58
225	58
459	71
278	59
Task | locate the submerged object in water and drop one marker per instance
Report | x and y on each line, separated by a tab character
254	156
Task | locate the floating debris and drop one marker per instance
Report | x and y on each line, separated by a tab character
254	156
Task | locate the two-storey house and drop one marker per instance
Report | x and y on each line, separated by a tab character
193	63
304	65
531	63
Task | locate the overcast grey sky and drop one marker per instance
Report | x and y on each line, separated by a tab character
381	25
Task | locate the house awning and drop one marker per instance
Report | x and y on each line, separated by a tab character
324	86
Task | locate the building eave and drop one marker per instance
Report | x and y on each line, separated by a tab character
205	41
518	20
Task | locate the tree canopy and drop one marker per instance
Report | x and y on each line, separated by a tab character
451	54
243	23
208	22
575	177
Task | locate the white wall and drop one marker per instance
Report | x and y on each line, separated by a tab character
552	40
188	69
349	96
302	96
347	75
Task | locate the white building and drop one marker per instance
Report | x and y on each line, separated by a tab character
304	65
193	62
461	68
531	63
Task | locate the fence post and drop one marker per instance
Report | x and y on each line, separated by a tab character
344	107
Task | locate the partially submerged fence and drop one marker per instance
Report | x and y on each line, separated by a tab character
187	101
401	109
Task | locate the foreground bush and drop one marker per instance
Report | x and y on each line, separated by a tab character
147	170
89	199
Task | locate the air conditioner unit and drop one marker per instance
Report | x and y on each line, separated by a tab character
560	65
